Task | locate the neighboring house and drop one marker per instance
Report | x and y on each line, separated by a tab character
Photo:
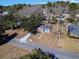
66	15
73	30
44	29
60	18
77	16
60	10
57	12
4	13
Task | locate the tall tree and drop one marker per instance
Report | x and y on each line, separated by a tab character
67	3
62	3
30	23
72	9
49	4
1	30
38	54
8	21
43	6
1	33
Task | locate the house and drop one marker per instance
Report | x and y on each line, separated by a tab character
73	30
46	13
77	16
60	18
58	15
4	13
44	29
58	9
66	15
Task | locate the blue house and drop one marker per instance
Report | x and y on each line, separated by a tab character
44	29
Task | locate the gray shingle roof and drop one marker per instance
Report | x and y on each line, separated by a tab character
74	29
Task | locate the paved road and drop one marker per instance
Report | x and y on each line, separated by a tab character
60	54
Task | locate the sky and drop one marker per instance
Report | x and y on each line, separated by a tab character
11	2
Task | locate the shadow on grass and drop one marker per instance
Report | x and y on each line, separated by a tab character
5	38
46	53
52	55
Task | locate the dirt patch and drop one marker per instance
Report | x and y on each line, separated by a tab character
8	51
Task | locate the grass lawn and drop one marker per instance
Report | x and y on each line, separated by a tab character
8	51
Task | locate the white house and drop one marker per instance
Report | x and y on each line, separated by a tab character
5	13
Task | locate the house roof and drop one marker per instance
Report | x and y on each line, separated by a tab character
74	29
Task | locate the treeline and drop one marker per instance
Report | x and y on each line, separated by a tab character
14	7
49	4
71	8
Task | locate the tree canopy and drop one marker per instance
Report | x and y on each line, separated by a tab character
8	21
38	54
31	22
73	7
49	4
14	7
1	33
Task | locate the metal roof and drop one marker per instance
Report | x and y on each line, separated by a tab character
74	29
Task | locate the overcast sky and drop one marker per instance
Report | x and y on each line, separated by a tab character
11	2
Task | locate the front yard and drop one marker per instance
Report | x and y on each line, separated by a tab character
45	39
49	40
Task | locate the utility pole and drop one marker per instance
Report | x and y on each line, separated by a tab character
47	13
58	33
